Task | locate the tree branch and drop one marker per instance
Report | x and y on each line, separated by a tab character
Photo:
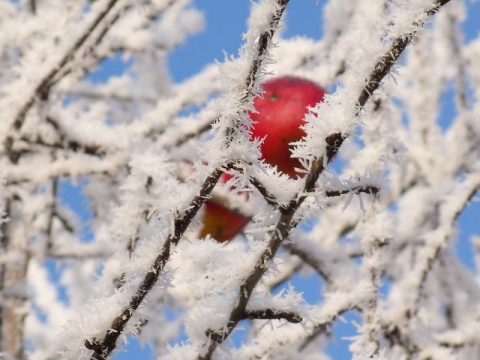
272	314
102	348
309	259
372	190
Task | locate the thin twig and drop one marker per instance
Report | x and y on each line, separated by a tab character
309	259
271	314
373	190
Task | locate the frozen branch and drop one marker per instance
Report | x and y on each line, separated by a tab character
310	259
272	314
450	210
382	68
372	190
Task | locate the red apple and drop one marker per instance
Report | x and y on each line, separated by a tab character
221	223
279	116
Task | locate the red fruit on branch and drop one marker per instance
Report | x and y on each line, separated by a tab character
219	222
279	116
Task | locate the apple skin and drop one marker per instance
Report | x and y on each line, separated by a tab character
221	223
279	117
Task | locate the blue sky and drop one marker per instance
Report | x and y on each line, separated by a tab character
225	23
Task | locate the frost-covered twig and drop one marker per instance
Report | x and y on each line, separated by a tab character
334	306
395	329
284	276
63	168
53	214
272	314
120	97
456	42
383	67
309	259
372	190
71	145
269	198
65	142
371	312
451	208
191	134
